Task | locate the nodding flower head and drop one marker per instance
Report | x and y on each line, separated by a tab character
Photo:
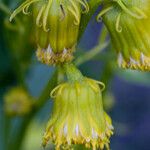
128	24
17	102
57	24
78	116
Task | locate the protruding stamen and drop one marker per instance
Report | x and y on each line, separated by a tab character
98	82
39	16
122	5
75	12
118	27
54	91
45	15
26	10
85	5
22	7
99	17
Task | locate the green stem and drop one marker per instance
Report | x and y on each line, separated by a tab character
109	70
96	50
73	74
60	75
91	54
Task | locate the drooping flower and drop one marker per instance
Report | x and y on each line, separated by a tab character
57	24
17	102
78	116
128	24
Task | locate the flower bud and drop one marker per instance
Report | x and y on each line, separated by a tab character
128	24
57	25
17	102
78	116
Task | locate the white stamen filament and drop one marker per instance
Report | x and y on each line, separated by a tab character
132	61
94	134
142	58
77	130
39	16
65	130
65	51
120	59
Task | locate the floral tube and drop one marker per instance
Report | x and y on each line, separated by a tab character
78	116
57	25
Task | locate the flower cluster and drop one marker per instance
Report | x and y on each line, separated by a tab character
78	116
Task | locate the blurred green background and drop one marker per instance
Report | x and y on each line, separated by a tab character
126	98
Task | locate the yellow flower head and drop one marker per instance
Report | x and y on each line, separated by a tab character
128	24
78	116
57	24
17	102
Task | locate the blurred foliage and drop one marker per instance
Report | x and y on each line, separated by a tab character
16	44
